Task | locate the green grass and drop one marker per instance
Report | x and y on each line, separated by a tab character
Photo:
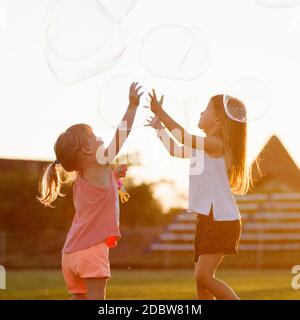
153	284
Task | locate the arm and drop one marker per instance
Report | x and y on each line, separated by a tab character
168	142
125	125
209	143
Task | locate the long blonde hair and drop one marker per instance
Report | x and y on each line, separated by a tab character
234	134
67	164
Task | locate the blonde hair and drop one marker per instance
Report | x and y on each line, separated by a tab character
67	149
234	134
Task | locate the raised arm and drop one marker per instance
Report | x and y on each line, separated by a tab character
125	125
167	140
209	143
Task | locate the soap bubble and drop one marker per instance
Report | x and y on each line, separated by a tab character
78	29
278	3
255	96
175	52
119	8
71	72
113	100
96	43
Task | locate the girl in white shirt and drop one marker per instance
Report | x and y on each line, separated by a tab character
218	168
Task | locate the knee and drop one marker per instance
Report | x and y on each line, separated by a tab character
203	279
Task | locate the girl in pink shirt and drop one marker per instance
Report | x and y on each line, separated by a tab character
95	227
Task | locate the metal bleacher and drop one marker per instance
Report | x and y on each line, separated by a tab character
270	222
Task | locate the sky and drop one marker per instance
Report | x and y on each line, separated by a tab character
245	39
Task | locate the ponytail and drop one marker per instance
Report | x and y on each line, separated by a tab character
51	183
64	170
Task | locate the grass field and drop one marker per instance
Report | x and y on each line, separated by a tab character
152	284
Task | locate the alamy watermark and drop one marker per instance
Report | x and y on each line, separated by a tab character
296	279
2	278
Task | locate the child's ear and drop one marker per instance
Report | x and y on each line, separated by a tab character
86	150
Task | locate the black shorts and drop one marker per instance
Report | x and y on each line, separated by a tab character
213	236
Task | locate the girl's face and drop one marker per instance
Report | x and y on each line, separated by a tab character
93	143
208	119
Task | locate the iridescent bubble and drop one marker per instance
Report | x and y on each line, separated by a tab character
74	59
78	29
255	96
175	52
278	3
113	101
119	8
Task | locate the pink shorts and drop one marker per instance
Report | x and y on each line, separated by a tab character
92	262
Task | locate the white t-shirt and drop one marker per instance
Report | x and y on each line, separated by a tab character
209	185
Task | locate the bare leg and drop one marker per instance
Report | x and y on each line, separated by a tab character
205	277
79	296
203	293
96	288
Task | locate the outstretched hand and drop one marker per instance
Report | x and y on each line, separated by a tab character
154	122
134	95
155	104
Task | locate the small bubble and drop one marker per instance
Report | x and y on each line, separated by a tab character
175	52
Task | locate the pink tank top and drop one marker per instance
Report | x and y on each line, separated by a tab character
97	215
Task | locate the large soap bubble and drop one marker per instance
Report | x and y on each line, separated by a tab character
254	95
175	52
113	101
77	29
83	39
278	3
118	8
71	72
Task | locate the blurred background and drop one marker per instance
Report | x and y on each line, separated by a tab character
257	39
